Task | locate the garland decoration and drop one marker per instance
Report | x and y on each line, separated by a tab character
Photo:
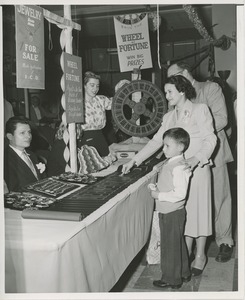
224	42
154	20
211	61
197	22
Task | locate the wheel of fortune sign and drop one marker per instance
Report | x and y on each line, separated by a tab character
138	108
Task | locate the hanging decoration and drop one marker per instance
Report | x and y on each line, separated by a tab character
158	38
211	62
73	88
66	136
154	21
30	67
224	42
197	22
133	42
130	19
50	41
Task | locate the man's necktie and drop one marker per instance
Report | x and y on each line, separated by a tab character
29	163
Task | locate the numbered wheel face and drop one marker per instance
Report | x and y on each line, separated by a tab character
138	108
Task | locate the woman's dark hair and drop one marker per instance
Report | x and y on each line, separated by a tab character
11	124
183	85
178	134
89	75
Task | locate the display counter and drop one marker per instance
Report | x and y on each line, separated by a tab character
52	256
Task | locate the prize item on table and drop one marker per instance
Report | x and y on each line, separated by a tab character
90	161
125	154
76	178
23	200
91	197
51	187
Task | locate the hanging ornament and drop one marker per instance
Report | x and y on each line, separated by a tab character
224	42
154	21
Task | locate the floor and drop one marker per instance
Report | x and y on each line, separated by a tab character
216	277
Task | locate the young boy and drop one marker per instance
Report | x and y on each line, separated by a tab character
170	196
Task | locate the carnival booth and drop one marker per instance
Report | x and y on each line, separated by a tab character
79	230
62	232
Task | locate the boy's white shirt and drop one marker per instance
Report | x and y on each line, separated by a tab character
181	179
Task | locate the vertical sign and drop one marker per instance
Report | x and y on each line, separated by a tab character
29	46
133	44
73	88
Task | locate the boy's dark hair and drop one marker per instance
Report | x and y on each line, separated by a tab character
183	85
11	124
178	134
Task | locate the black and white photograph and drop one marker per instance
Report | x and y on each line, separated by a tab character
122	150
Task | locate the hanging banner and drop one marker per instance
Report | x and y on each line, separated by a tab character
73	88
133	44
29	46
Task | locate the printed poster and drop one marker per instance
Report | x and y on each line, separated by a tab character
29	47
73	88
133	43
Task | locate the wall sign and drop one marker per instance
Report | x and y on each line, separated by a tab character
133	44
29	46
73	88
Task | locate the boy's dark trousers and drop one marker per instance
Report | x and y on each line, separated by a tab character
174	254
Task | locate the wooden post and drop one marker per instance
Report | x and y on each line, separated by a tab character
153	77
27	111
71	126
136	75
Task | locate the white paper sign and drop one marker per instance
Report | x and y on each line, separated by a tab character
133	44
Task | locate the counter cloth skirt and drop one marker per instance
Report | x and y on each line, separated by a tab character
96	139
199	204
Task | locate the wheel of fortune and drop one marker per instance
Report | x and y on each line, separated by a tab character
141	116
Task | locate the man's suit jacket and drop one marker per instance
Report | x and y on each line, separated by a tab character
16	172
33	116
44	114
211	94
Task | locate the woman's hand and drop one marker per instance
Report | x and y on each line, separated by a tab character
126	167
155	194
190	163
153	189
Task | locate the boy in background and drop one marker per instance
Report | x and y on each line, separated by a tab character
170	197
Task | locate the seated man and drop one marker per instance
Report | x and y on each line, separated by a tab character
20	167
